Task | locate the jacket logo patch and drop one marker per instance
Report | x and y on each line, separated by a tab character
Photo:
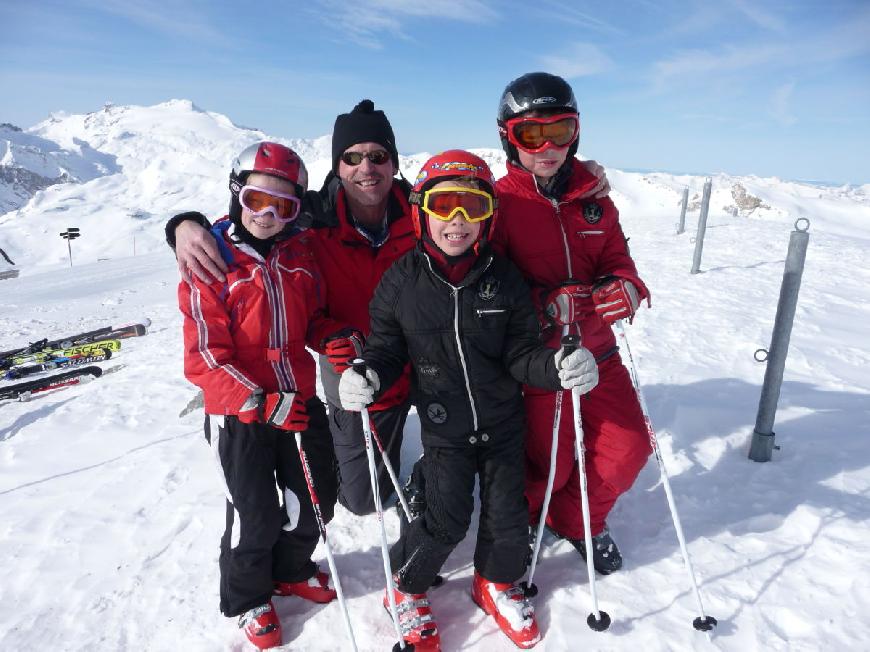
436	413
427	369
592	213
488	288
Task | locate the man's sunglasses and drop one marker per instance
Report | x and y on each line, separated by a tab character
377	157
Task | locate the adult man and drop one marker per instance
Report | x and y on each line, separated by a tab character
362	221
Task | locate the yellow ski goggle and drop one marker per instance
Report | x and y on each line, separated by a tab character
443	203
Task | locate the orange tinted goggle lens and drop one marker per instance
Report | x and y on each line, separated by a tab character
286	208
442	205
533	134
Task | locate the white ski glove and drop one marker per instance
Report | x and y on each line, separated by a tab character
355	391
578	370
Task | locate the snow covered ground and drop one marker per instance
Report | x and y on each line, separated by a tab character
111	512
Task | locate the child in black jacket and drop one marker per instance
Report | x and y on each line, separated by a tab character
464	319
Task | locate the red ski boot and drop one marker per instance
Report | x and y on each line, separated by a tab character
512	611
415	620
262	626
316	588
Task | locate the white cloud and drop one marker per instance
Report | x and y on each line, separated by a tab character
564	12
846	40
754	12
780	104
689	63
365	21
579	60
187	19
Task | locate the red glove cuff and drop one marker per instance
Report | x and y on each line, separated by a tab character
569	303
285	410
342	348
616	298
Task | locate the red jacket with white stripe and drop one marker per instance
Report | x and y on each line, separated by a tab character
553	241
251	331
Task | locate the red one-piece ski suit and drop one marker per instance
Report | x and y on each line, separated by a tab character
551	242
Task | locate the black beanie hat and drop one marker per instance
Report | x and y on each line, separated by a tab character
362	125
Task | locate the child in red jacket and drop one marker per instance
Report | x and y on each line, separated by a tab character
570	248
244	343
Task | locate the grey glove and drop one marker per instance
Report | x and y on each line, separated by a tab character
355	391
578	370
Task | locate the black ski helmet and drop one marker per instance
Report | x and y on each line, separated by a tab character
534	91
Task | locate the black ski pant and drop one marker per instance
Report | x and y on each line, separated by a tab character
354	483
502	535
271	530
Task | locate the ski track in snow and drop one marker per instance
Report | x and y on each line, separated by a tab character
111	513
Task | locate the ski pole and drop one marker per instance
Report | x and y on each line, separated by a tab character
702	623
530	589
597	620
390	470
315	503
359	366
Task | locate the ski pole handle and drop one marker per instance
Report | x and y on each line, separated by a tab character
570	343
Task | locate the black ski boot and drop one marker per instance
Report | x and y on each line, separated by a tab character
605	555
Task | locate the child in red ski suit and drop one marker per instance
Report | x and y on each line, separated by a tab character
244	342
572	251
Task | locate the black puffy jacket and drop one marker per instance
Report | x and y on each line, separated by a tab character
471	346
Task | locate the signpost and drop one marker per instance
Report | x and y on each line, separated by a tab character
70	234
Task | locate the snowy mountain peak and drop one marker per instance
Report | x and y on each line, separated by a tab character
119	172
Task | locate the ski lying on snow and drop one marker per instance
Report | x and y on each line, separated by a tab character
23	391
45	355
105	333
58	363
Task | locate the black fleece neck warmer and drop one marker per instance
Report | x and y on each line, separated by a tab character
556	185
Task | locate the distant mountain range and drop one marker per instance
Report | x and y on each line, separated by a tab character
118	173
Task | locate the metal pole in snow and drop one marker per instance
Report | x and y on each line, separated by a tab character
762	445
702	226
682	227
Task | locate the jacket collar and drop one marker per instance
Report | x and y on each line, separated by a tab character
481	264
328	209
523	182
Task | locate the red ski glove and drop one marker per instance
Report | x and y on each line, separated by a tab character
615	298
569	303
342	347
284	410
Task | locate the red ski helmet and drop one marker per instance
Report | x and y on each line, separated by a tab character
273	159
452	164
264	157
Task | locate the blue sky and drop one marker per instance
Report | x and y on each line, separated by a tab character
768	88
